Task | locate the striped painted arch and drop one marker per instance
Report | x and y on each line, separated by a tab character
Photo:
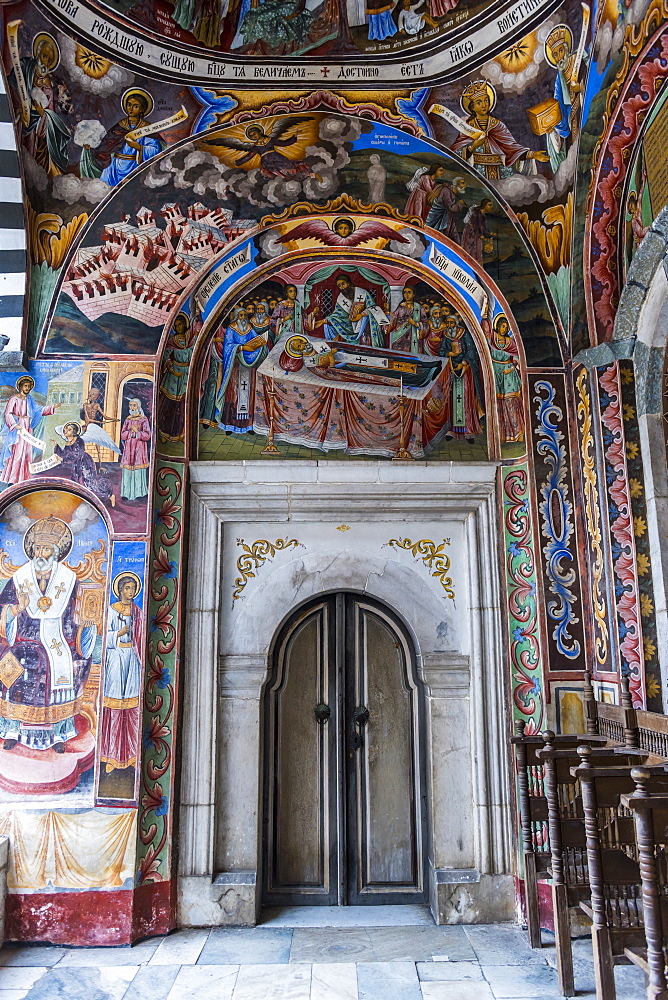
12	239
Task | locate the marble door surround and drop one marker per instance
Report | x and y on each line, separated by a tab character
470	853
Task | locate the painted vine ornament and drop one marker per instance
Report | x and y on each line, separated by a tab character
159	706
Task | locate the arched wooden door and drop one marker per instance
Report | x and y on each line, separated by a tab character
344	777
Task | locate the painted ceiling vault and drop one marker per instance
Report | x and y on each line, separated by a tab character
323	230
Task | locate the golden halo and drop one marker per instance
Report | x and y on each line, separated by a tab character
465	99
44	36
560	33
123	575
25	378
294	349
60	536
138	92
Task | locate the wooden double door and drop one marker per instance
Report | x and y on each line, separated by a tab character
344	780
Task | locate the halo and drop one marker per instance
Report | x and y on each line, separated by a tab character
343	218
121	576
497	320
138	92
25	378
186	318
568	39
60	431
466	101
44	36
292	348
65	547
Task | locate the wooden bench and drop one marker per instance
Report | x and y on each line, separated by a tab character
650	810
533	811
615	907
567	834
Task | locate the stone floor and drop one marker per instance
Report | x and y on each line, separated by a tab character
353	953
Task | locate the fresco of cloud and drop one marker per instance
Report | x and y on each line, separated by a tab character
516	82
205	172
610	38
525	189
91	72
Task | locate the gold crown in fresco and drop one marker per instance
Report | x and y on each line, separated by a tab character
476	89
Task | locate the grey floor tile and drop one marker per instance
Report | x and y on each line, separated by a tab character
347	916
20	977
420	944
83	984
151	982
435	972
33	955
247	946
180	948
502	944
335	981
509	981
333	945
204	982
136	954
269	982
388	981
463	990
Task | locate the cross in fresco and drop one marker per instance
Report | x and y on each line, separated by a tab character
59	589
57	647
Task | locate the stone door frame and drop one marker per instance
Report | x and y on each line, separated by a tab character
459	687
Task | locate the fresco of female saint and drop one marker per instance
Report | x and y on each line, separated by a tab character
122	677
135	434
495	152
174	382
508	382
45	133
119	153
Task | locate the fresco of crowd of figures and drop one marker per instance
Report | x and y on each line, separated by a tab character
224	273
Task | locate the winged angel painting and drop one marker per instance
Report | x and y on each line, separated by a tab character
343	232
277	147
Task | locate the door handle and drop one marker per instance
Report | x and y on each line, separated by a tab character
360	719
322	713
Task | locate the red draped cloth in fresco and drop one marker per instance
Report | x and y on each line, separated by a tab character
337	419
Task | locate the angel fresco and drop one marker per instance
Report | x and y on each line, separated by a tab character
118	153
260	147
343	232
22	423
